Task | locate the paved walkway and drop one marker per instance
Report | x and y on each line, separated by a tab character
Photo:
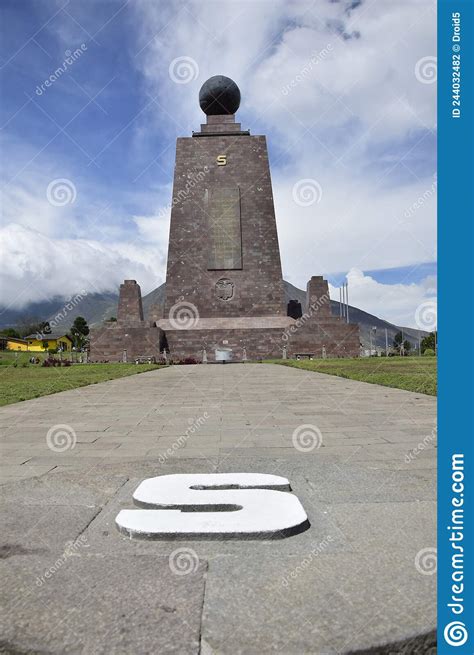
363	466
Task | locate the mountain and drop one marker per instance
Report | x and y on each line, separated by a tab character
98	307
95	307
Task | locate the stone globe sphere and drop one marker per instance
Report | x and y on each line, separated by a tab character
219	95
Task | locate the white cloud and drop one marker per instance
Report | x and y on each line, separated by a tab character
36	267
354	225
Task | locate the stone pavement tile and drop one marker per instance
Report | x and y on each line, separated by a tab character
126	440
329	440
390	526
406	436
67	488
10	460
28	470
392	451
97	605
27	528
195	452
316	604
428	463
71	457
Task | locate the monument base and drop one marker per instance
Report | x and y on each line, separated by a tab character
317	333
264	343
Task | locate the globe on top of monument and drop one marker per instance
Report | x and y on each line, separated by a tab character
219	95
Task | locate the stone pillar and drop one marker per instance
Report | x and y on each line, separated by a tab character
130	308
318	302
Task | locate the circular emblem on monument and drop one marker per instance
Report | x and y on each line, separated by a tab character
224	289
219	95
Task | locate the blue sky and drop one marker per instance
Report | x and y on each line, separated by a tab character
344	92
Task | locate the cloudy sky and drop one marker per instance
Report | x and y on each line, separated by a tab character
345	91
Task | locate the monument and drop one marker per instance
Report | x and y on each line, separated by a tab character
224	284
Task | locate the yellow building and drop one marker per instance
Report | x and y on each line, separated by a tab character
37	343
12	343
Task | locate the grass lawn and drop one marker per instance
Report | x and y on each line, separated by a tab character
26	381
409	373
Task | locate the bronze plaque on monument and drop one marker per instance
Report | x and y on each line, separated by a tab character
224	229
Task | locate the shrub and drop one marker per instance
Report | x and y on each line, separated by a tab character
186	360
429	352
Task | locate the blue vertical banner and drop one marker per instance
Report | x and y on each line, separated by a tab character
455	324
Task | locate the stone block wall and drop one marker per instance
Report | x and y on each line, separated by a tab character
113	342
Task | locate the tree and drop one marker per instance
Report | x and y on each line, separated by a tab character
429	342
79	331
406	347
10	332
397	342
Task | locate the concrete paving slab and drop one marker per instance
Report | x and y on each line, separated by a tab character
95	604
315	604
368	491
27	528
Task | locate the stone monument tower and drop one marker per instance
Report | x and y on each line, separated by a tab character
225	297
223	251
224	285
